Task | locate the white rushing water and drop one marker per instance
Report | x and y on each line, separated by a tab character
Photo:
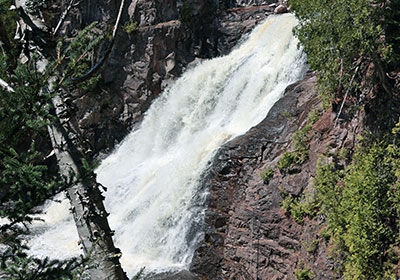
156	204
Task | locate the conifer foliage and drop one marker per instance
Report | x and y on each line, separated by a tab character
24	115
351	43
354	47
361	204
26	179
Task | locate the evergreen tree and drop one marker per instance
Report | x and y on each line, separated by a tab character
354	45
351	43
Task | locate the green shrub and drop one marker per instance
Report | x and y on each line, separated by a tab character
324	234
300	153
286	161
304	274
314	116
312	246
326	183
266	174
130	26
300	206
361	204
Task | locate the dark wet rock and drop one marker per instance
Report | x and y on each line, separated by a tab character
258	238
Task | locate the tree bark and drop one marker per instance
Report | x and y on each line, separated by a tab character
85	196
87	207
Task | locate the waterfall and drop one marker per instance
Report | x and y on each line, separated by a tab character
155	202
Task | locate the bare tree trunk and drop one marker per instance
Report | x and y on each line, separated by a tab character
85	196
87	207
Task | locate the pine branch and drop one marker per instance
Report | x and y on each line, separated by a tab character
4	37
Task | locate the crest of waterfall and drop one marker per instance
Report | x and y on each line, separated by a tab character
155	202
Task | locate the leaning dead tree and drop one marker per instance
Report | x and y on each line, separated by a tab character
85	195
86	204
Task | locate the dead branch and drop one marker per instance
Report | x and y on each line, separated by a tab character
65	13
100	63
6	86
347	92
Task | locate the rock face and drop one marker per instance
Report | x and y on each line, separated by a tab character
246	3
248	235
171	34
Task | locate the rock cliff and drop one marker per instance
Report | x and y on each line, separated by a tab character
171	35
248	235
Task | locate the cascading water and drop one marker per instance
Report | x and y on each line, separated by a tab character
156	204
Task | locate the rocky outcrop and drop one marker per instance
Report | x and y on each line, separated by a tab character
248	235
171	34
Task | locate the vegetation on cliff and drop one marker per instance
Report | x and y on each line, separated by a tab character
361	205
354	46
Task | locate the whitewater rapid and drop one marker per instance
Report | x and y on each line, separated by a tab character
155	202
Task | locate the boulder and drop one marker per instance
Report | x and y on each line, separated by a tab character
281	9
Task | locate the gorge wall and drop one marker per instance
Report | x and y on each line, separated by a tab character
171	35
247	234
